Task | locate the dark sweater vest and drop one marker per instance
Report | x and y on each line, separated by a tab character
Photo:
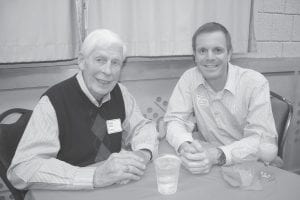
76	115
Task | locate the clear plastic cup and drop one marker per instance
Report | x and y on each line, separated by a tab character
167	172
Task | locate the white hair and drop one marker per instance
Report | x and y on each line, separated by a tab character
102	38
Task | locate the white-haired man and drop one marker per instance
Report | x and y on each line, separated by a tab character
86	131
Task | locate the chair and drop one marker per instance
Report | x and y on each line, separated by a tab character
10	134
282	111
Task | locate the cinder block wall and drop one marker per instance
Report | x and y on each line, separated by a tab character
277	28
277	32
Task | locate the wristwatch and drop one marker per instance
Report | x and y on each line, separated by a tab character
221	157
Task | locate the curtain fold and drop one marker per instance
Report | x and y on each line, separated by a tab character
35	30
165	27
80	4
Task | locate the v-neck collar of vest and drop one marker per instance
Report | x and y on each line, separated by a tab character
85	90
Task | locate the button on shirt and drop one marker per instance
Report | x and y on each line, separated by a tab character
35	165
231	118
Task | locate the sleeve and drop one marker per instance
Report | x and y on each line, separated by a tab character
35	166
139	132
259	121
178	117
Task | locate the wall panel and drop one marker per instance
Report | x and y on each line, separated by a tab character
151	81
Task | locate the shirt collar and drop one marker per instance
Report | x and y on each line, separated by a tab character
85	90
231	79
230	84
199	78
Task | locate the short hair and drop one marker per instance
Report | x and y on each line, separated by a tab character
209	28
102	38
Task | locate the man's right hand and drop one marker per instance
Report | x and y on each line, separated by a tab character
119	167
194	157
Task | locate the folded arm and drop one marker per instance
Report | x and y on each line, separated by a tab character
259	121
35	165
139	133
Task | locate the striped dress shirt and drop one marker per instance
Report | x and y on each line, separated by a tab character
232	118
35	166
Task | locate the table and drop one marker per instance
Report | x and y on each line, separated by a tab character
206	187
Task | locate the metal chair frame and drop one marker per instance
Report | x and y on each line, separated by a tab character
284	134
9	142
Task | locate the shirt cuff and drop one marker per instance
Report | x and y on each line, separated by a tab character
84	177
227	152
145	146
147	151
187	137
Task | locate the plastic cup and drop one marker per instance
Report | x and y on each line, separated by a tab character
167	172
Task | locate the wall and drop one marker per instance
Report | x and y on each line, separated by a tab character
151	82
277	28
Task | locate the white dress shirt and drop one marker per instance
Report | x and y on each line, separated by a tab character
35	165
235	117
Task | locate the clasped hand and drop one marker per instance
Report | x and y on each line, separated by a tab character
196	158
120	168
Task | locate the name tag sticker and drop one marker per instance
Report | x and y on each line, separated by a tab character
202	101
113	126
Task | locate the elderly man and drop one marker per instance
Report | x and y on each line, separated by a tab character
231	106
87	131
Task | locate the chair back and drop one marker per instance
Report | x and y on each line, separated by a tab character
282	111
10	135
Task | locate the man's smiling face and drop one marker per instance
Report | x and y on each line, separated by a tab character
212	56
